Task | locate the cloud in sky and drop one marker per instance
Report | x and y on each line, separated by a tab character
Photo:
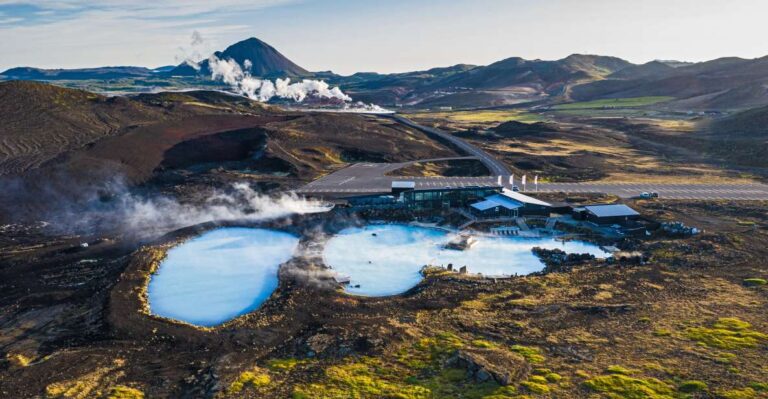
348	36
79	33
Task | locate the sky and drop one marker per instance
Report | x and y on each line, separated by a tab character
347	36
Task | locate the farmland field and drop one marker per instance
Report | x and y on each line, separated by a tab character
614	103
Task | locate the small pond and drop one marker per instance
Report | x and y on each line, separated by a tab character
387	259
219	275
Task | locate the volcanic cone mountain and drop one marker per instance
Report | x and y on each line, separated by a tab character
265	61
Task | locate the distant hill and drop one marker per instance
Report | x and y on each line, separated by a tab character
724	84
752	123
116	72
647	70
508	81
721	84
265	61
548	76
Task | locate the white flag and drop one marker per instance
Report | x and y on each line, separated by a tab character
511	180
498	181
536	179
523	179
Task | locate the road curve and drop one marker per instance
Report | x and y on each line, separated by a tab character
373	178
495	166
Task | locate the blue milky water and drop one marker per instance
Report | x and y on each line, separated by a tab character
219	275
387	259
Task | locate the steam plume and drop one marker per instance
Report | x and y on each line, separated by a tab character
191	55
230	72
111	207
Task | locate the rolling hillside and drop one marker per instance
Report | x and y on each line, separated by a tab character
722	84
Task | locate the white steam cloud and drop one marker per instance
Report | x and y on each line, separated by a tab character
242	204
150	216
230	72
190	55
241	81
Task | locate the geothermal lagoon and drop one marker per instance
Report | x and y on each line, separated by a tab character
219	275
383	260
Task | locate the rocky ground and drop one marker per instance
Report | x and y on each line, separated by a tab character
691	322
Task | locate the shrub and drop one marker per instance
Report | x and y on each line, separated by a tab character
692	386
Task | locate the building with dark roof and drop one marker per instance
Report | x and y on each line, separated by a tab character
606	214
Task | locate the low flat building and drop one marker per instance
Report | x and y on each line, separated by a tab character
508	203
606	214
446	197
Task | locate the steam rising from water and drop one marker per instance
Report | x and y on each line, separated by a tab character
111	207
160	214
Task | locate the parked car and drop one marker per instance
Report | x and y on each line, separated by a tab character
515	188
649	195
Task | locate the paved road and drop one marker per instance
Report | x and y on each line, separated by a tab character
370	178
494	165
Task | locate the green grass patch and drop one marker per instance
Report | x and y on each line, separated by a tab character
692	386
284	364
727	333
124	392
530	353
662	332
252	378
371	378
631	102
429	351
622	386
417	371
754	282
481	343
535	387
759	386
480	116
745	393
725	358
620	370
